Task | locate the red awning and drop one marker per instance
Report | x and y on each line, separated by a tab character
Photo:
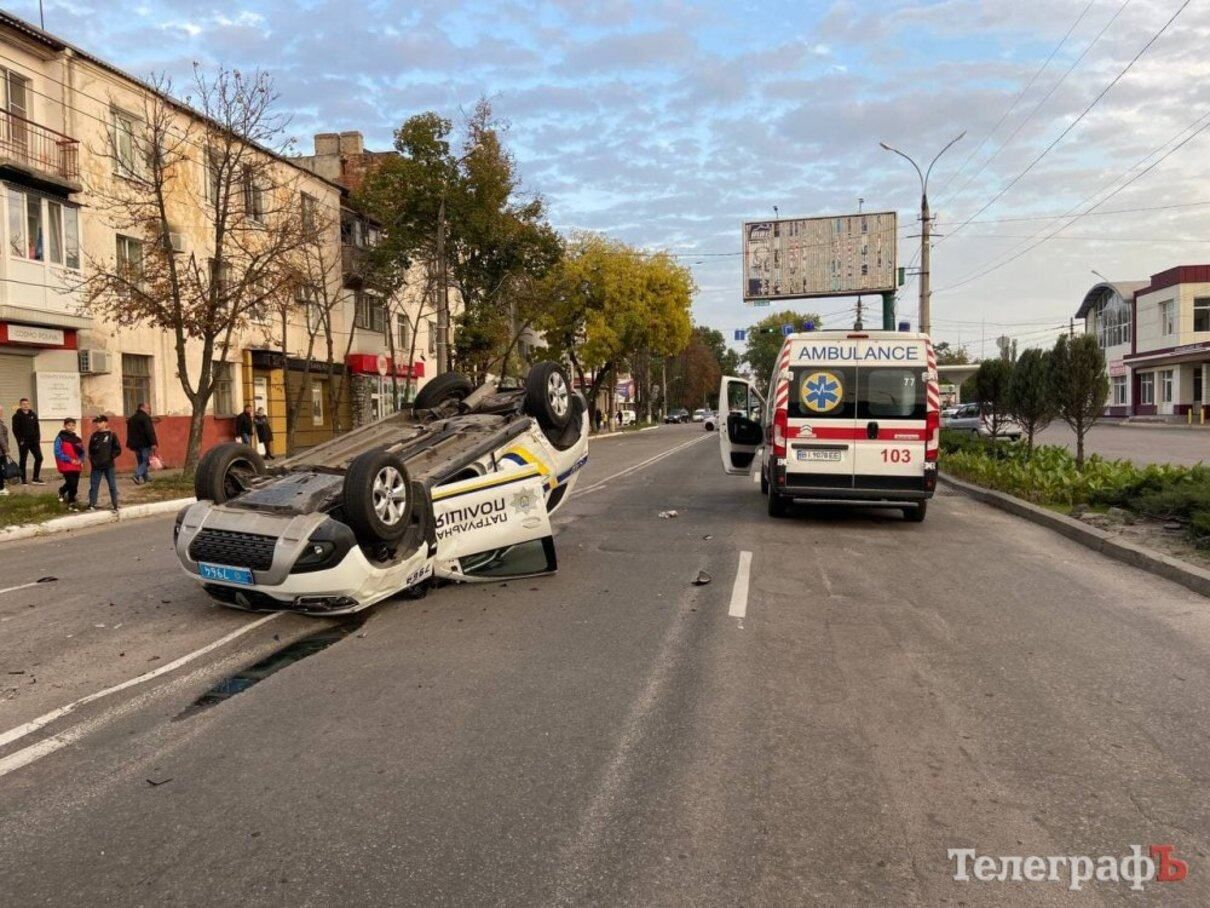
368	364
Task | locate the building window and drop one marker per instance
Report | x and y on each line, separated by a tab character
370	313
403	328
1119	390
130	259
125	144
1147	388
71	237
136	382
223	401
254	198
1201	313
432	330
361	310
1168	317
1166	386
210	179
317	405
16	101
309	207
1112	319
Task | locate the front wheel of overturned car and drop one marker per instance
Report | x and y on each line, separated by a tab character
226	471
377	497
444	388
548	395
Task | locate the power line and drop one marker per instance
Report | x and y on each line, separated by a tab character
1042	102
1017	100
1074	123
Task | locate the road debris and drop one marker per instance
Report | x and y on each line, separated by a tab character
702	579
668	514
154	784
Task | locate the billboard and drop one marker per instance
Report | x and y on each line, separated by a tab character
834	256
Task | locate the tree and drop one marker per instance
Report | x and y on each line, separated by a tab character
991	388
497	241
1030	393
253	226
609	305
1081	387
949	355
765	340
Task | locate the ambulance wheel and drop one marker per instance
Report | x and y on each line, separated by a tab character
377	497
446	387
916	514
548	395
226	471
779	505
764	483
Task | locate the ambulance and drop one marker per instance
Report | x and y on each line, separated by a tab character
850	417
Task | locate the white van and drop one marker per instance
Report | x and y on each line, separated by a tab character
851	416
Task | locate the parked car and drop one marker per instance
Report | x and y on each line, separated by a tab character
974	418
628	418
461	487
710	421
699	415
677	416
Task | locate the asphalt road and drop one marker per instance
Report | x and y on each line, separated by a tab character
1139	443
612	735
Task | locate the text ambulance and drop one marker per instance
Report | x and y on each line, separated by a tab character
851	416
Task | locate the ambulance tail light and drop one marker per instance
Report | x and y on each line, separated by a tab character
932	428
781	422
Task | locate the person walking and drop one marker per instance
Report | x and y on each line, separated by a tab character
28	434
104	449
69	459
140	438
244	426
3	452
264	431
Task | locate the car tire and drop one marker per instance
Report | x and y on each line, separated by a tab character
916	514
548	395
764	482
225	470
375	483
779	505
444	388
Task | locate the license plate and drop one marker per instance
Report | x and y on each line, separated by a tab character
832	456
225	574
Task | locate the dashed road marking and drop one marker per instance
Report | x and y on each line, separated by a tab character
739	592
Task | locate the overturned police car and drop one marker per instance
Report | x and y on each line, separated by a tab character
461	487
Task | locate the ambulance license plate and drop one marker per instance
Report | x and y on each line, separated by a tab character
814	454
224	573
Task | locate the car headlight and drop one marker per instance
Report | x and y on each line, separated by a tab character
326	547
316	553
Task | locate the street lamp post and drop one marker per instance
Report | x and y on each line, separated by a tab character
926	320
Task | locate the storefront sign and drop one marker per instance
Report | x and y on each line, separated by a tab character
58	395
380	364
1117	367
31	334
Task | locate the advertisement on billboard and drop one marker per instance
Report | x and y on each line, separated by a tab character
831	256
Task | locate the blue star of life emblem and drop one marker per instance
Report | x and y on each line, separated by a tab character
821	392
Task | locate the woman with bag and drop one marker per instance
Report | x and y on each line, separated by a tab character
264	433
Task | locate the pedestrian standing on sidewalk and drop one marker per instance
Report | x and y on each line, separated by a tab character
104	449
69	459
28	434
244	427
140	438
3	452
264	432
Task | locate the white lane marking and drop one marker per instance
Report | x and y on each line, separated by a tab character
756	476
42	721
637	466
10	589
739	592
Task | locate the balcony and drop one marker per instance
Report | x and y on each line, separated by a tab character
39	152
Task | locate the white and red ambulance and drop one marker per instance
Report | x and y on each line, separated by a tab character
851	417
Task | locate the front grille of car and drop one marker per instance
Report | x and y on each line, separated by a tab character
249	550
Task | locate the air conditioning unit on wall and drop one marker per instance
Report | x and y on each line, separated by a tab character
95	362
176	242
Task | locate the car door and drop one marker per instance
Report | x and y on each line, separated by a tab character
494	526
741	432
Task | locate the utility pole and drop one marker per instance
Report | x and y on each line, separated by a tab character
858	325
926	319
443	295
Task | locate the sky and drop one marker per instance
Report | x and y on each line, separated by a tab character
667	123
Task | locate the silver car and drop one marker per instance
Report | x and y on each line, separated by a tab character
976	419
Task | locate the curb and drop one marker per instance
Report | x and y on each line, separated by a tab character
621	434
91	519
1187	575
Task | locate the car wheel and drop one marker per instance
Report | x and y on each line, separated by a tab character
764	483
916	514
548	395
778	505
444	388
226	471
377	497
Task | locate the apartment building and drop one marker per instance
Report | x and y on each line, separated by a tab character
70	125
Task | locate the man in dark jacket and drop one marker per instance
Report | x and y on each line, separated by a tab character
104	448
244	429
140	438
29	439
